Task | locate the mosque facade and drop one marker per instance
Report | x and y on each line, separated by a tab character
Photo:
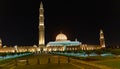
62	44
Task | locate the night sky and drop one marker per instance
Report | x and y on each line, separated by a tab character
81	19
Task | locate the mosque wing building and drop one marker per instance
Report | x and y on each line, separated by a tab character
62	44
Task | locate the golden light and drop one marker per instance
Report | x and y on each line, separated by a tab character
61	37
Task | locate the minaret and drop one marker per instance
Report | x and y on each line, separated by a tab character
0	43
102	40
41	26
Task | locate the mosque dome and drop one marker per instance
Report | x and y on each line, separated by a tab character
61	37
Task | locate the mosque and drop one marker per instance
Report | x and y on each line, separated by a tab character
61	42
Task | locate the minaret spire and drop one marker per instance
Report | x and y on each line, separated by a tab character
41	5
41	26
102	40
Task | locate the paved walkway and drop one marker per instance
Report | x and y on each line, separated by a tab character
47	66
41	61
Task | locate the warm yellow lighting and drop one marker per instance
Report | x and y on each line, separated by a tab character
38	49
61	37
101	31
41	24
101	37
45	49
41	15
50	49
103	46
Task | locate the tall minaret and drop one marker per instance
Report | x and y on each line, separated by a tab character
0	43
41	26
102	39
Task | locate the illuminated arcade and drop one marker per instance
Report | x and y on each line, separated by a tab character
62	44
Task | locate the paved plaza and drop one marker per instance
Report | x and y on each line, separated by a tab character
48	61
40	61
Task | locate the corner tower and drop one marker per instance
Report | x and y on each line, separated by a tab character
41	26
0	43
102	39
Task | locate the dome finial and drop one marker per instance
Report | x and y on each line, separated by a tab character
60	32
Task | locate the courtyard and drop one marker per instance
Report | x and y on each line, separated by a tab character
50	61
